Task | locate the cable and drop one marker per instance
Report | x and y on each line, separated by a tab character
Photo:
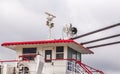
100	39
102	29
101	45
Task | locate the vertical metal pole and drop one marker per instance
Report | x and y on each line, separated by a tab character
49	36
49	22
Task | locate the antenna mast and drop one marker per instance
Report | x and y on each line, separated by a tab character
49	22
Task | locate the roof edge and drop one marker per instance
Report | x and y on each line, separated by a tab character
45	42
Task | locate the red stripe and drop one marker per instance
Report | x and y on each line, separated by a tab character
44	42
12	60
36	42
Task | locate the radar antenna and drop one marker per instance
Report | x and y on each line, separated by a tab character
49	22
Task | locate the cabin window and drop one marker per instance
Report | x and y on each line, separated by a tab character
73	54
59	52
78	56
28	53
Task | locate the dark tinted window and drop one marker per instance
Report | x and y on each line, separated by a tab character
59	49
59	52
73	54
29	51
59	56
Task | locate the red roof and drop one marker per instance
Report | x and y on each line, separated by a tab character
42	42
36	42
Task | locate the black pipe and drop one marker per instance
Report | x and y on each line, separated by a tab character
102	29
101	45
100	39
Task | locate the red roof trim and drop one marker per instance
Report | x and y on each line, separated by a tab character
42	42
84	47
36	42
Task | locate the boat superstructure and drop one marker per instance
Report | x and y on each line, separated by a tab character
49	57
53	56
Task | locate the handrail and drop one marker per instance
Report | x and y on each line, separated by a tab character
23	56
87	68
13	60
9	60
26	55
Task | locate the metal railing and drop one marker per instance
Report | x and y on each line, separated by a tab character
11	66
72	66
77	67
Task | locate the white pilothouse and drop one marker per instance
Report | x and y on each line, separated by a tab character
60	56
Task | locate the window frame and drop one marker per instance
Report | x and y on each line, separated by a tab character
73	54
59	52
28	53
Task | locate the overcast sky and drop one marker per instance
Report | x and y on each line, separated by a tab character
23	20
